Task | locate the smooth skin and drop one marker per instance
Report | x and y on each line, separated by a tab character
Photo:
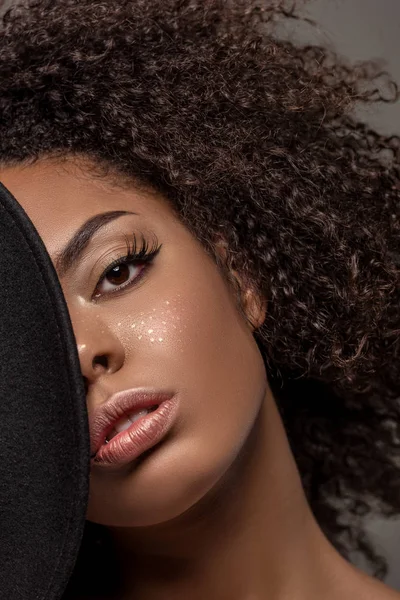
217	511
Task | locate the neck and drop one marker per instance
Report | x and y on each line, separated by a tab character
253	537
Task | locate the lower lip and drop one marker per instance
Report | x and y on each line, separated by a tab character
141	436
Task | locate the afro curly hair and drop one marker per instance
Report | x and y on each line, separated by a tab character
253	139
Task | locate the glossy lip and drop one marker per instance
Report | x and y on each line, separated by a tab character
142	435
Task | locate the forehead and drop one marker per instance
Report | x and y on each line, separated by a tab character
59	197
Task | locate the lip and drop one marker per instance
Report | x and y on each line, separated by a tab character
141	436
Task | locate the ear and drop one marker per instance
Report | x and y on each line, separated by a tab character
254	307
252	304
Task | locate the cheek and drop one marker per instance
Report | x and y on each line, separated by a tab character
153	336
148	327
217	367
218	344
187	333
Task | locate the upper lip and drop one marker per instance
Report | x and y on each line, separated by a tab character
106	415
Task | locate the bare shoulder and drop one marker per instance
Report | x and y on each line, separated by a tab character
351	583
373	589
384	593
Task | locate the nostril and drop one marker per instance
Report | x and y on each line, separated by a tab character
100	360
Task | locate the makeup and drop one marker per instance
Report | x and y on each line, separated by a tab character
129	424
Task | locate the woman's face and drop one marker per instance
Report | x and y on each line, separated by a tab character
172	326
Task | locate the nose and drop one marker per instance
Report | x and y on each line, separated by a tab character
100	351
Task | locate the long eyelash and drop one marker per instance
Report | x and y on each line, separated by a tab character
144	254
133	254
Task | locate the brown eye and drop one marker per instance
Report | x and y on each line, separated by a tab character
120	275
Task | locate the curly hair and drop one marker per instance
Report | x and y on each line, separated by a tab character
254	139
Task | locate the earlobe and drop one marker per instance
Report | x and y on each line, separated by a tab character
255	308
253	305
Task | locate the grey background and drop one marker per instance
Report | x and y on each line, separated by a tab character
362	29
359	30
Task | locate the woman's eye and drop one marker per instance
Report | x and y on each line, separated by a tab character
121	274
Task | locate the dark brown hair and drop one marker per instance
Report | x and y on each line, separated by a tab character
254	139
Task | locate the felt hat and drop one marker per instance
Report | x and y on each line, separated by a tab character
45	449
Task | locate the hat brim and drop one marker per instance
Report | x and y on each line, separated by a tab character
45	449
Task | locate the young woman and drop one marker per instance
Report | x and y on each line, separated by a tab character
226	236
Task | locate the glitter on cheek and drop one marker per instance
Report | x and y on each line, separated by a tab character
155	333
158	323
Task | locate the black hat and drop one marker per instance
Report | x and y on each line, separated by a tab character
44	436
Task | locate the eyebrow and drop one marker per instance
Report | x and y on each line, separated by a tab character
80	240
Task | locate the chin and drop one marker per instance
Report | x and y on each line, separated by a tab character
173	483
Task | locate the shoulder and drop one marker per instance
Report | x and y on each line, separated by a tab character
370	588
